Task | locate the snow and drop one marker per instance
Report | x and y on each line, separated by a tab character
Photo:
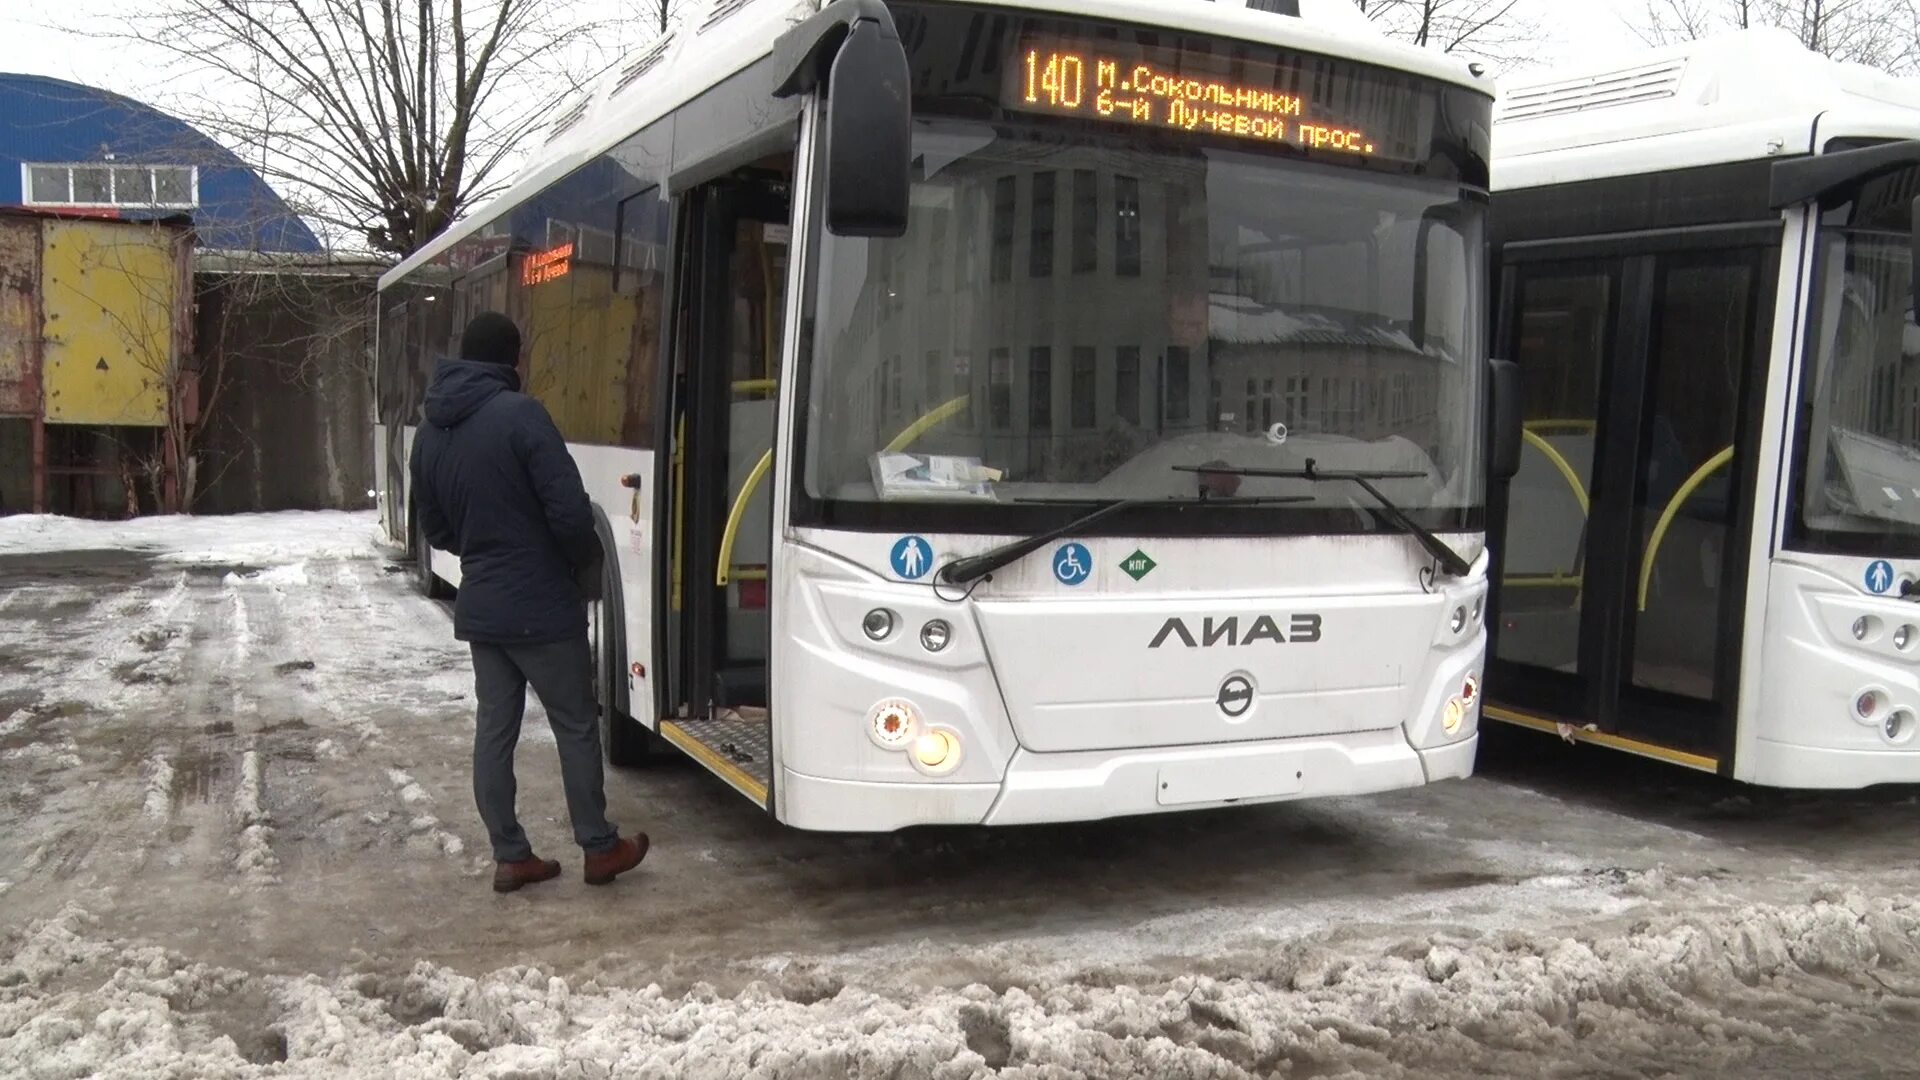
242	539
237	840
75	1001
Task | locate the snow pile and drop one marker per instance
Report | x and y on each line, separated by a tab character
241	539
1696	994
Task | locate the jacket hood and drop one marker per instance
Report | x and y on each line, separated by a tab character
460	387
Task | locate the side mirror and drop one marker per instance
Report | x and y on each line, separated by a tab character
869	134
1504	420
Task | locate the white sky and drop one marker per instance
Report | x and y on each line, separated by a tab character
1575	28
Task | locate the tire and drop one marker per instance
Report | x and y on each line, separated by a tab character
431	586
625	741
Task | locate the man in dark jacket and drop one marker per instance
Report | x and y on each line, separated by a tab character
493	483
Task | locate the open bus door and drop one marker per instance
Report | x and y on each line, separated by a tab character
722	410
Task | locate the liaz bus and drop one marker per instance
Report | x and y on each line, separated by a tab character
1704	272
1013	413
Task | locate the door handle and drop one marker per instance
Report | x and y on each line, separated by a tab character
631	480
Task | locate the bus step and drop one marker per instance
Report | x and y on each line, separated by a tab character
733	744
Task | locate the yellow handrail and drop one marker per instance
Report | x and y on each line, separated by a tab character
755	386
1560	463
732	533
939	414
1666	516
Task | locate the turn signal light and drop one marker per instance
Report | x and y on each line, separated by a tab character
1454	716
892	725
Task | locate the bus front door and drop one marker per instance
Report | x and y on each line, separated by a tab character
730	308
1625	538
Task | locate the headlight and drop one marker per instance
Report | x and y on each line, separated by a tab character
935	635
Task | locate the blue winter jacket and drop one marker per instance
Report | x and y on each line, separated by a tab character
493	483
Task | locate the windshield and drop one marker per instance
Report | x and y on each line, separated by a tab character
1075	319
1860	460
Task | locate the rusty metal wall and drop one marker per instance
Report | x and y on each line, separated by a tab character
287	391
110	291
19	317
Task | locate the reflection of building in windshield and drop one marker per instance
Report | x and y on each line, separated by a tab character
1319	377
1876	384
1082	303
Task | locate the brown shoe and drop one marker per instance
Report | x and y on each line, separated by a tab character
508	876
616	860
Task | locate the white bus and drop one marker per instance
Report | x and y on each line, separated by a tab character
1704	273
1015	413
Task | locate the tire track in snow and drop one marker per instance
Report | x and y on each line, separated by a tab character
256	860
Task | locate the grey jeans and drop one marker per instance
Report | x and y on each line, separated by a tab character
562	674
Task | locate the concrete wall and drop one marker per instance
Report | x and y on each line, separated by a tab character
287	391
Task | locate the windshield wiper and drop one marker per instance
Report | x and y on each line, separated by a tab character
1449	559
974	567
1170	500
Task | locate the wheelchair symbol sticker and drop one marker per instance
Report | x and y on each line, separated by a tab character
1880	576
912	557
1072	563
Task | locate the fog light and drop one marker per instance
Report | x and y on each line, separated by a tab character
1861	627
935	635
1903	637
1478	603
937	751
1898	726
878	624
937	748
1454	716
1459	620
892	725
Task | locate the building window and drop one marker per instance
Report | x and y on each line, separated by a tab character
1040	388
1040	251
1004	195
1086	221
1084	394
1126	383
174	187
1179	390
1126	226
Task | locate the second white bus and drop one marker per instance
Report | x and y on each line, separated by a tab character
1710	553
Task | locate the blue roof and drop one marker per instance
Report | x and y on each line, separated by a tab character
50	121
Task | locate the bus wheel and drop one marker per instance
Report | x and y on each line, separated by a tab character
625	740
430	586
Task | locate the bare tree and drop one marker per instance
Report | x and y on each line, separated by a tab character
1879	33
1498	30
382	120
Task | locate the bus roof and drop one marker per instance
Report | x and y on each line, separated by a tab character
1738	96
716	38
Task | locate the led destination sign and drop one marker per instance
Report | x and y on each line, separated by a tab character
544	266
1200	92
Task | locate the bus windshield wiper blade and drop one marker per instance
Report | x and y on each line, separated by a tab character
1449	559
973	567
1172	500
